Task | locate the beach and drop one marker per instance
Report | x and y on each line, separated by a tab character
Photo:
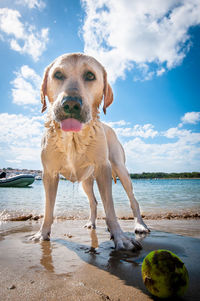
82	264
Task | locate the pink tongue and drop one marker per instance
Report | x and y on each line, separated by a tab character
71	124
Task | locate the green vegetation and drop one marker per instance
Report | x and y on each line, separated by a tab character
163	175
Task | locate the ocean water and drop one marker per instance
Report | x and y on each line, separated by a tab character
154	197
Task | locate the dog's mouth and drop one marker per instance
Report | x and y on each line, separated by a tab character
71	115
71	125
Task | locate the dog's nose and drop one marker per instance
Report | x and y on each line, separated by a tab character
72	104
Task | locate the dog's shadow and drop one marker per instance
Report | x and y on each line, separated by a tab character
126	265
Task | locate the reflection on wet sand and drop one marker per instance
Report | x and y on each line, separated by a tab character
102	256
47	250
94	239
46	258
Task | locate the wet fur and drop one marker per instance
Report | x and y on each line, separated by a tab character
94	153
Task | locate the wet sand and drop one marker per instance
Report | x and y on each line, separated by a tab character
81	264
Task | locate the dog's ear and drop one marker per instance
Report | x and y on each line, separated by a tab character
107	92
43	90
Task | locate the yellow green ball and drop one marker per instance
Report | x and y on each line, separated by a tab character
164	274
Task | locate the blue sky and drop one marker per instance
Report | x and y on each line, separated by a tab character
151	51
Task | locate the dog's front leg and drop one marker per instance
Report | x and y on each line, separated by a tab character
121	171
50	185
104	182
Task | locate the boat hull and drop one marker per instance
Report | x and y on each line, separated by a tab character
17	181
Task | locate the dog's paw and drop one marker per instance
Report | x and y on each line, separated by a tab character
123	242
141	227
90	225
40	236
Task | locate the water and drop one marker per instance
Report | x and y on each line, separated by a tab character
154	197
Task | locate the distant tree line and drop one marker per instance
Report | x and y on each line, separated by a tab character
163	175
144	175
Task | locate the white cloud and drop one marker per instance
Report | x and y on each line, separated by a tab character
186	136
179	156
10	23
18	129
160	71
26	154
26	87
13	161
144	131
117	123
20	138
191	117
125	34
32	3
22	37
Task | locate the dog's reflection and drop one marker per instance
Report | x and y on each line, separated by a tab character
103	256
94	240
47	249
46	258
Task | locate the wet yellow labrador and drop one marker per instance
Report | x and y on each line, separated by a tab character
77	145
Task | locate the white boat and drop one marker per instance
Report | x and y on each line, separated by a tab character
22	180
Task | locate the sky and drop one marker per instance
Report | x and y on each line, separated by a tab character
151	51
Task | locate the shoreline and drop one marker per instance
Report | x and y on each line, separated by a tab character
165	215
187	227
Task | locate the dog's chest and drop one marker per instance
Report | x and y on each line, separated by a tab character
76	158
76	168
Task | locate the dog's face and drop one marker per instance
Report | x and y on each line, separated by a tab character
75	85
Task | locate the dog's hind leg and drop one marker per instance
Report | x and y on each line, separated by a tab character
88	188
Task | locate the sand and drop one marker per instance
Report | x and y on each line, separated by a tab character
81	264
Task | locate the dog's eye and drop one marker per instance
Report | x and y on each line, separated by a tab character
89	76
59	75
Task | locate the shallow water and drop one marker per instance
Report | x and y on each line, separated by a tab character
154	197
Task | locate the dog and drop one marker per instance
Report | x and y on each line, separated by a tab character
77	145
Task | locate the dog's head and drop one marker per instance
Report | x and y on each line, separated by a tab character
75	85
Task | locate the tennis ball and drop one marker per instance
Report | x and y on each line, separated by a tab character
164	274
